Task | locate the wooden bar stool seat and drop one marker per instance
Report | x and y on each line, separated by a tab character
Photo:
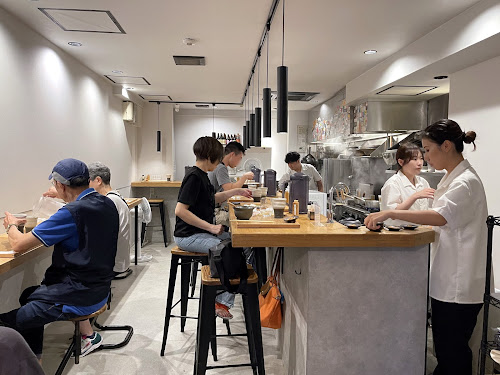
157	203
206	315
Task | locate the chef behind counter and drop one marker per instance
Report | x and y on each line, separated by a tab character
294	165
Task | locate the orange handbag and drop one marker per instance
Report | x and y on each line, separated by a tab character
270	297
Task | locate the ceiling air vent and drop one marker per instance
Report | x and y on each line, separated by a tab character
406	90
202	105
296	96
189	60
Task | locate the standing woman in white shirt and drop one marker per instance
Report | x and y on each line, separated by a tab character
406	190
458	256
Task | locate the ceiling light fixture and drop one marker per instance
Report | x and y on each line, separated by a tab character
245	126
75	44
440	77
189	41
251	132
117	71
158	132
282	120
370	52
129	88
258	114
266	95
213	120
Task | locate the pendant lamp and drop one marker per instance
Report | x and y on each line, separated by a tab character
158	132
283	87
258	114
213	121
251	132
247	127
266	96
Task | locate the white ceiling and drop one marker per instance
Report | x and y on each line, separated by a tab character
324	41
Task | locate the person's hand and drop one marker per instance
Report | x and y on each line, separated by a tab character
247	176
424	194
51	193
217	229
11	219
377	217
245	192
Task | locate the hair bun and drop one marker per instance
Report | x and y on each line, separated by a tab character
470	136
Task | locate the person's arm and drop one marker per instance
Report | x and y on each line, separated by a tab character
283	180
320	185
225	195
182	211
425	217
20	242
427	193
238	184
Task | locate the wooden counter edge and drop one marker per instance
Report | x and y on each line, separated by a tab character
7	264
156	184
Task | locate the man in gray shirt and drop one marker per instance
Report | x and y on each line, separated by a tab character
219	178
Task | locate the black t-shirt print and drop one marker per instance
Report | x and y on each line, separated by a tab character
197	192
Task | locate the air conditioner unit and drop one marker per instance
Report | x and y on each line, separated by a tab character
129	111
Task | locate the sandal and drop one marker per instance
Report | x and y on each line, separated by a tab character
222	311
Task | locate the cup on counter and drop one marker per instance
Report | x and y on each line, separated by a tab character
256	194
22	217
168	176
278	207
31	222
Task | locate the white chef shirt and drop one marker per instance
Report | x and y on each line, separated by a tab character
122	259
458	256
397	189
308	170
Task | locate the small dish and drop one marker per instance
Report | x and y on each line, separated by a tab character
290	219
380	225
353	226
410	226
394	228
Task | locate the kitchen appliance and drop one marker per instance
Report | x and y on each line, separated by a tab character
299	190
335	170
309	159
270	182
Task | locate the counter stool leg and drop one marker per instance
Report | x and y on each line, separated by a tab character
250	336
170	296
162	214
213	339
260	263
78	342
185	275
254	314
194	275
205	323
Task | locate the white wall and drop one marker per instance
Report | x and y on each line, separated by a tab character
53	108
149	161
189	125
475	105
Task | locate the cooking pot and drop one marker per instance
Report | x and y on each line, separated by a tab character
372	203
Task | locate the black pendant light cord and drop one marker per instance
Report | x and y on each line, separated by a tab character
253	86
258	83
158	115
267	56
283	45
213	117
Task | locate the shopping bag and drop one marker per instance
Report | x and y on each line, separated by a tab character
270	297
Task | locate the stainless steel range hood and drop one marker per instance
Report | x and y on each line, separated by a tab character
396	116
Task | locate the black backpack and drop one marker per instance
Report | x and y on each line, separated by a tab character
227	262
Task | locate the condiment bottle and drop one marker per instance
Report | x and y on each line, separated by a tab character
296	207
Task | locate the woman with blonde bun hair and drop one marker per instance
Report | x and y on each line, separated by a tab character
458	255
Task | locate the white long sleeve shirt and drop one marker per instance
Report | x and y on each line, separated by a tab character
458	256
397	189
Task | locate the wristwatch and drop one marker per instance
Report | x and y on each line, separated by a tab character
10	225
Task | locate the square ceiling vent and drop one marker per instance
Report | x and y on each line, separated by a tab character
156	98
127	80
296	96
406	90
84	20
189	60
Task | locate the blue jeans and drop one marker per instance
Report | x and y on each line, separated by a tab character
31	317
201	243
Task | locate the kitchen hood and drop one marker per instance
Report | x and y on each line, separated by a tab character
396	116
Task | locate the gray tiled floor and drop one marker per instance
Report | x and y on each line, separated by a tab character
140	301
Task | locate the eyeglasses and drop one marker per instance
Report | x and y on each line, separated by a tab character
54	182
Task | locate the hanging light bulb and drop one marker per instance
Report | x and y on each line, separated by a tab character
247	129
213	121
251	132
158	132
244	126
266	96
258	113
283	86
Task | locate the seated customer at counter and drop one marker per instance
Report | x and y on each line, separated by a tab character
84	234
294	165
219	177
406	190
458	256
194	223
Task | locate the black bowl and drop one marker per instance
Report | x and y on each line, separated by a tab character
290	219
380	225
394	228
410	226
352	226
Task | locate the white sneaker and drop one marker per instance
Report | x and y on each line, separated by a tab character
90	343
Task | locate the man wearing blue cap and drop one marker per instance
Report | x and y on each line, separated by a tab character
84	235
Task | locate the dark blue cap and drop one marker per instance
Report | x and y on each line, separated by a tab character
67	170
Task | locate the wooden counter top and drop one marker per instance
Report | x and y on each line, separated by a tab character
156	183
132	202
329	235
6	264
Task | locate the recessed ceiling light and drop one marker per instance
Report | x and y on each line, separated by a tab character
117	71
129	88
370	52
440	77
189	41
75	44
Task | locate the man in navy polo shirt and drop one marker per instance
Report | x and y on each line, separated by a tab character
84	235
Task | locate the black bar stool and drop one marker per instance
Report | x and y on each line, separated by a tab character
185	259
206	329
159	203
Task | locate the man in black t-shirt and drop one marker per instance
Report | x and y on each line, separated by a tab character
194	226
